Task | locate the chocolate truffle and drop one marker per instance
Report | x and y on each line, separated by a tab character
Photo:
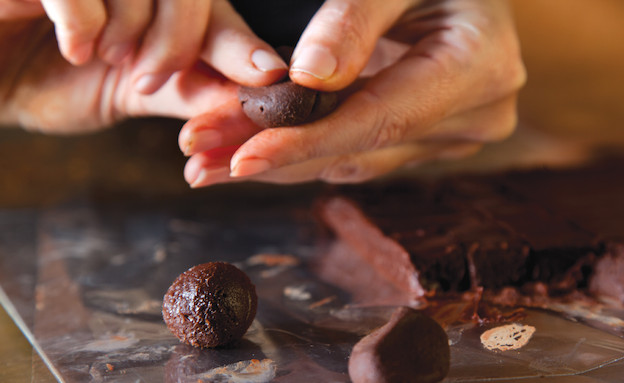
210	305
411	347
285	104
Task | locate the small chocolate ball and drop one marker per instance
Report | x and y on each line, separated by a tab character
210	305
411	347
285	104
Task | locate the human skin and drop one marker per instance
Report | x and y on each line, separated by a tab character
442	78
419	79
70	66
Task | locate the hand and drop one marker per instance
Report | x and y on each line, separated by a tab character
442	80
74	65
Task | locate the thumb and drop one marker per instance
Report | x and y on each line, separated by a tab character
339	40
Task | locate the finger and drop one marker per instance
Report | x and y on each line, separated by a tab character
360	124
17	9
339	40
235	51
387	111
172	42
187	94
204	168
127	20
489	123
77	24
365	166
223	127
401	103
492	122
354	168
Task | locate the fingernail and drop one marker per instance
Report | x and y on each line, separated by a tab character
250	167
267	61
316	61
202	140
115	54
150	83
81	54
210	176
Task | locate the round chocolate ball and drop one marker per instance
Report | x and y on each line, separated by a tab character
210	305
285	104
411	347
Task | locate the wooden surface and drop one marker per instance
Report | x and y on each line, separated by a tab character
18	361
570	108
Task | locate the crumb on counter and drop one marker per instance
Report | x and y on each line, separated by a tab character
507	337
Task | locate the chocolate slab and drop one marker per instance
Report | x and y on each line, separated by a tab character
481	230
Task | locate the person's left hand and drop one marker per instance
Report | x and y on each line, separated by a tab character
77	65
446	80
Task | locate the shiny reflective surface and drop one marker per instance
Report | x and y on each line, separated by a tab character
88	288
571	108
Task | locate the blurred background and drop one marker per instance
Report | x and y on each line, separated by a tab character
570	111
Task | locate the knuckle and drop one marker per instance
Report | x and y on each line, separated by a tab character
511	74
387	127
387	132
382	125
457	56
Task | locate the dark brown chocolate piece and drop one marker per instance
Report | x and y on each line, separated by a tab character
460	233
210	305
411	347
285	104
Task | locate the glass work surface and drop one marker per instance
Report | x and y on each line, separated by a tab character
85	283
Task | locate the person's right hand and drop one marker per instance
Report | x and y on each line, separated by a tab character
447	82
77	65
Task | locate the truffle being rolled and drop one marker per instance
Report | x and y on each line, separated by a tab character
210	305
285	104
